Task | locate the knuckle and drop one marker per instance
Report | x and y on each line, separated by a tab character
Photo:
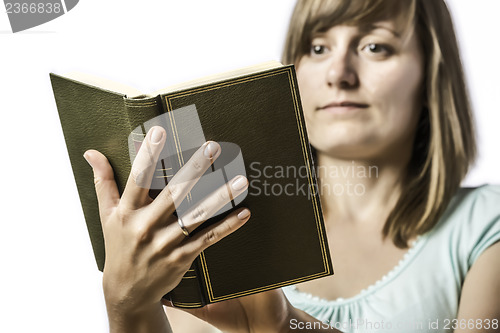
137	175
142	234
170	192
179	257
223	195
211	237
227	227
158	248
196	165
174	257
123	214
134	172
199	213
97	181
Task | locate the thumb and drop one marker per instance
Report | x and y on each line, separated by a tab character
104	180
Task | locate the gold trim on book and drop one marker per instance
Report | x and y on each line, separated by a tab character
305	152
189	196
268	287
310	174
139	106
187	305
175	137
177	144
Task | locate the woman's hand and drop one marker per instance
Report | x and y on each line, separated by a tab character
147	253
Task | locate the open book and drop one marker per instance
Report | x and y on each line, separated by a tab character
257	112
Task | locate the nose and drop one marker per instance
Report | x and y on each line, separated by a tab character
341	72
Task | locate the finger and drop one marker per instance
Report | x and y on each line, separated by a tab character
211	205
211	235
108	196
172	234
136	193
184	180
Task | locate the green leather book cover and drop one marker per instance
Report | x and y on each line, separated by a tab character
284	242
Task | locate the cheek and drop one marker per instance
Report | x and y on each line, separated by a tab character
311	77
307	79
396	91
306	85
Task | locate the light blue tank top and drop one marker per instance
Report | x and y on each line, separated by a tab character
420	294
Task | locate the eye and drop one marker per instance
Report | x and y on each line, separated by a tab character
378	49
318	49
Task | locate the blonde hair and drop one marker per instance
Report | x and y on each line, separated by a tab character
445	145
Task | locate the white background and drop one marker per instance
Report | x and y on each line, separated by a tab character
48	277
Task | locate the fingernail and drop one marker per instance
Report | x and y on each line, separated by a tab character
243	214
85	156
211	150
156	135
239	183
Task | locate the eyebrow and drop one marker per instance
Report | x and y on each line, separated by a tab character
364	29
378	26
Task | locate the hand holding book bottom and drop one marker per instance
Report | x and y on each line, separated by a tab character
147	252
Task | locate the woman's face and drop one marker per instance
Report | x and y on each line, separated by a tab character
361	91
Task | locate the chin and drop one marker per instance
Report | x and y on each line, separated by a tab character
346	148
343	153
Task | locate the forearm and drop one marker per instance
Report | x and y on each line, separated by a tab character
151	320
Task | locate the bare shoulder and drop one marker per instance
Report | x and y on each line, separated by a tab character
479	299
182	322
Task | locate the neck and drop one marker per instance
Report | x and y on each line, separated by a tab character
359	192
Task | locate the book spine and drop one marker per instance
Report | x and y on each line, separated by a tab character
143	113
189	293
140	110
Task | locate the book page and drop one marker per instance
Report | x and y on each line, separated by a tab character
131	92
220	77
102	83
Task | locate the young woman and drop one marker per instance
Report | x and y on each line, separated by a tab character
382	86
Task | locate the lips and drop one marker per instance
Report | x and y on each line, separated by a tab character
344	104
343	109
